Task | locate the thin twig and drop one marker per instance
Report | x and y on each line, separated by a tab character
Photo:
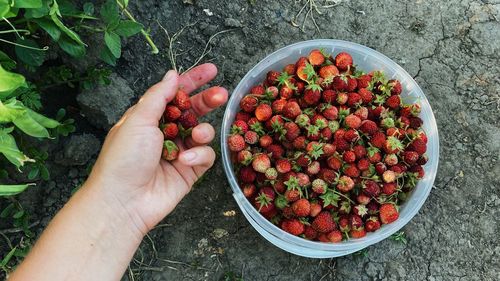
18	229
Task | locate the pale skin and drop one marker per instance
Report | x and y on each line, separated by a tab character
130	190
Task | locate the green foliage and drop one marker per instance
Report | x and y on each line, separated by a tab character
399	237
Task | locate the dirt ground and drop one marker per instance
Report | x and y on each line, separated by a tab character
452	48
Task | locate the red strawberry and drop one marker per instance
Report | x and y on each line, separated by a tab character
364	81
389	188
391	159
366	95
188	119
378	140
312	94
323	222
343	61
319	186
263	112
243	116
351	171
334	162
265	141
258	90
410	157
272	77
354	99
316	57
422	160
293	226
329	96
353	121
355	221
171	113
418	145
275	150
418	170
286	92
392	145
283	166
236	143
334	236
310	233
313	168
393	102
181	100
291	110
292	195
345	184
388	213
351	135
244	157
389	176
369	127
292	131
363	164
170	150
372	224
261	163
396	87
352	84
339	83
342	98
239	127
248	190
170	131
328	71
249	103
362	113
300	143
358	233
371	188
289	69
251	137
247	174
315	209
301	207
278	106
349	156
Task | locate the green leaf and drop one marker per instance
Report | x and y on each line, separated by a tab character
30	4
29	56
6	61
50	27
7	258
124	3
44	173
9	82
114	43
6	212
71	47
8	148
54	15
4	8
33	173
107	56
18	214
109	12
42	120
38	12
88	8
128	28
30	126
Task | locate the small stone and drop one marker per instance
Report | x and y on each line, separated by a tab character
230	22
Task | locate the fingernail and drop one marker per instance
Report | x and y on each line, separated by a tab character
169	75
189	156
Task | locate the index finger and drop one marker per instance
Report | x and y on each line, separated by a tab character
197	77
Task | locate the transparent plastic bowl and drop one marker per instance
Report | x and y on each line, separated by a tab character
367	60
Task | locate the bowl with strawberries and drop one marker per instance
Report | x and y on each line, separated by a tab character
329	147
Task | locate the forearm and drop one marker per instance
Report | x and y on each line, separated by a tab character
87	240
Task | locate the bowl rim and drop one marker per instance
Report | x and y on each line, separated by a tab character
352	243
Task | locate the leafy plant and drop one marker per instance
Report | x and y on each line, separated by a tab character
399	237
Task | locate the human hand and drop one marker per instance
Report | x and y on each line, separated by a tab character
129	171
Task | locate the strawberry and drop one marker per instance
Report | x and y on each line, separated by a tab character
372	224
351	135
351	171
236	143
389	176
243	116
170	150
261	163
292	131
416	122
369	127
366	95
393	102
328	71
319	186
251	137
301	207
239	127
329	96
331	113
364	81
388	213
276	151
396	87
278	105
188	119
248	190
418	145
344	225
315	209
422	160
289	69
244	157
342	98
171	113
352	84
283	166
358	233
371	188
247	175
310	233
418	170
355	221
303	120
352	121
410	157
362	113
349	156
286	92
389	188
300	143
271	174
323	222
265	141
181	100
339	83
378	139
313	168
291	110
272	77
170	131
359	151
316	57
363	164
334	236
249	103
263	112
363	199
312	94
354	99
293	226
292	195
391	159
345	184
343	61
392	145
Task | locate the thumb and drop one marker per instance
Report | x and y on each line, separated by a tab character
151	106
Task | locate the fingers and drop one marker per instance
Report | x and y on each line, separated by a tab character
197	77
202	134
202	157
151	106
208	100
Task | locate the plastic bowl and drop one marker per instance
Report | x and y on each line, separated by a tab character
367	60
